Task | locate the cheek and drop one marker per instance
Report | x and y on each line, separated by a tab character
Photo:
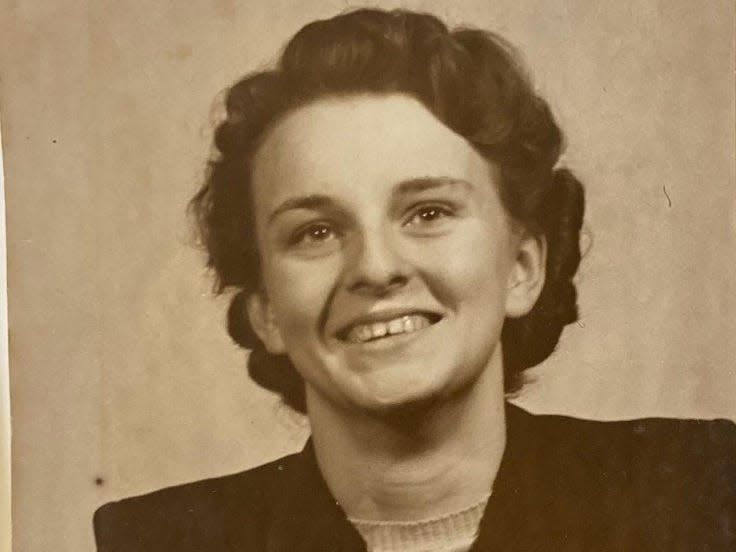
299	293
472	267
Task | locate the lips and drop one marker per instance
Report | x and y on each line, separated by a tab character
370	330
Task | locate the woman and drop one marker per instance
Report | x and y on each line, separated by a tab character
387	204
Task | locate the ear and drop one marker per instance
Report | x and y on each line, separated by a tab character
263	323
526	278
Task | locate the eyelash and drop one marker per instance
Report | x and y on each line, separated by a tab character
440	212
312	231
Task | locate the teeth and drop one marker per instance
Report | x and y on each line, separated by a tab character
404	324
379	329
362	333
408	324
396	326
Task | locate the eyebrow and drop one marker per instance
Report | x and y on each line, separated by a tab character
313	202
405	187
416	185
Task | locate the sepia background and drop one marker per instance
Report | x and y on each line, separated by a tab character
122	376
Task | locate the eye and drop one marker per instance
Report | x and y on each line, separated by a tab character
313	234
428	215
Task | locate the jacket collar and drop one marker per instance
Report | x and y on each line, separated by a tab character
306	517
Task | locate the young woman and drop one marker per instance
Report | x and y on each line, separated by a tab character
387	203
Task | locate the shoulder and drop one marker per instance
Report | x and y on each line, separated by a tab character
699	452
659	478
636	437
667	443
222	510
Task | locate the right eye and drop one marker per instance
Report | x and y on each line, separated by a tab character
313	235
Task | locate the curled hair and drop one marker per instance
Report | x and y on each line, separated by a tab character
472	82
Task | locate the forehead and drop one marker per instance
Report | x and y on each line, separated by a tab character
346	146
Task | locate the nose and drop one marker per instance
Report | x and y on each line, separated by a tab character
375	265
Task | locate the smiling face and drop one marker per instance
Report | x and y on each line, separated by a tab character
388	261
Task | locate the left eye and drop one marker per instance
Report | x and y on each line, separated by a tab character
428	214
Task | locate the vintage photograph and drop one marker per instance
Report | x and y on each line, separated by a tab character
371	276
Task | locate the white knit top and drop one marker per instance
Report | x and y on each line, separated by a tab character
454	532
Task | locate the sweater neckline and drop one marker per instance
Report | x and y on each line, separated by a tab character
452	531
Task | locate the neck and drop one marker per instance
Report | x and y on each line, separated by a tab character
416	462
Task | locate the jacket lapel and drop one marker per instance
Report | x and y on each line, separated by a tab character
514	518
306	518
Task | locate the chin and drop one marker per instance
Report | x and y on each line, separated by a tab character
401	409
396	396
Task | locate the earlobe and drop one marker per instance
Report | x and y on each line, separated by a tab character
527	276
263	323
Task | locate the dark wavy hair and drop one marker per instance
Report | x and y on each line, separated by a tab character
472	81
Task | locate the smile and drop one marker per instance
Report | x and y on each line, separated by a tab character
406	324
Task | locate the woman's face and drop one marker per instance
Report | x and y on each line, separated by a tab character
389	263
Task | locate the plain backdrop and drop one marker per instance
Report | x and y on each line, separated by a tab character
122	376
4	380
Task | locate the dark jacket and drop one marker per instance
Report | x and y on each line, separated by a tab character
564	484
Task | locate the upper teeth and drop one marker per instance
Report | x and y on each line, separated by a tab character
403	324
